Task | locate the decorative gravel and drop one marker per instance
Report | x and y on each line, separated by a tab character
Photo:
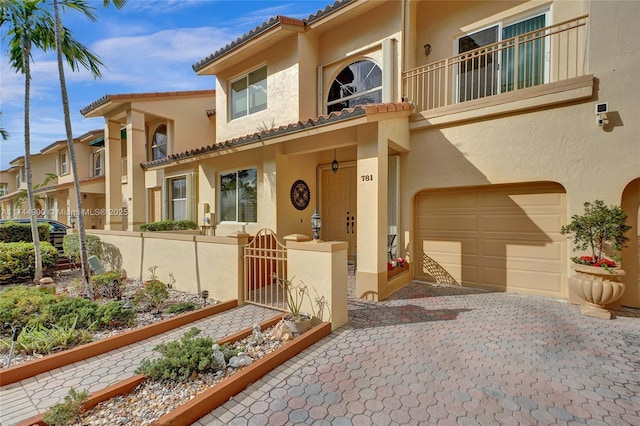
143	318
153	398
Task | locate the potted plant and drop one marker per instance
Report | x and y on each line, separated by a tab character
295	294
597	282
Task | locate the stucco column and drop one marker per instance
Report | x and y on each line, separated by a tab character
372	183
112	172
322	266
134	190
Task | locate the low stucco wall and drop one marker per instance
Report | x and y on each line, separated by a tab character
190	262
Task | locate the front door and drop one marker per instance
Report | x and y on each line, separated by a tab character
339	207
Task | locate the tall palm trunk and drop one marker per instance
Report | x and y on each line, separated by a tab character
27	158
82	239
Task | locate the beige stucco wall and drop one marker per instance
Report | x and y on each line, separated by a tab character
282	88
562	144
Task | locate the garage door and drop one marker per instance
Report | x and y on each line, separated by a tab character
504	238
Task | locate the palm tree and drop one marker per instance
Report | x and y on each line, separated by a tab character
82	7
30	25
26	26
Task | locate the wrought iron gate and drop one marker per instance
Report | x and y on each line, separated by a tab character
265	263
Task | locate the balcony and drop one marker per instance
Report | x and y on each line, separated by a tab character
501	71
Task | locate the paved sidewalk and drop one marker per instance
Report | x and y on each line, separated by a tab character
454	356
19	401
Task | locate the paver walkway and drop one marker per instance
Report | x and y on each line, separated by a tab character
19	401
453	356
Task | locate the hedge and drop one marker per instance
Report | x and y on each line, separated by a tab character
71	246
17	260
169	225
14	232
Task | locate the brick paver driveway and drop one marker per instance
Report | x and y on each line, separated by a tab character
448	355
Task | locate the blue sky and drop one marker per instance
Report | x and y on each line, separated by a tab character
148	46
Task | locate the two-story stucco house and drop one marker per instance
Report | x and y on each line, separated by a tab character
467	133
56	198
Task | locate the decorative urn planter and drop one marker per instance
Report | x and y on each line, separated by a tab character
298	324
596	287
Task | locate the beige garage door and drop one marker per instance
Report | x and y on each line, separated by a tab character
504	238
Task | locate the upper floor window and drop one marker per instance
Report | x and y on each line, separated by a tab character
159	143
502	67
359	83
64	164
97	163
249	93
239	196
3	189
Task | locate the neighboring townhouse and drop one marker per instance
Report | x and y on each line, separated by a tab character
56	198
146	127
467	133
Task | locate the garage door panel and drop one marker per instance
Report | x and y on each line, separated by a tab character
434	201
504	238
529	252
432	222
528	198
521	222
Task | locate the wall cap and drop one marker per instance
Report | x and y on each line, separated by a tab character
318	245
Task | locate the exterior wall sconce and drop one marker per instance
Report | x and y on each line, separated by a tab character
427	49
316	224
334	163
72	220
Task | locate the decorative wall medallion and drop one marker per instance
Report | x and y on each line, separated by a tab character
300	195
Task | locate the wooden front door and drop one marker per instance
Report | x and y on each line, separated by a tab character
339	215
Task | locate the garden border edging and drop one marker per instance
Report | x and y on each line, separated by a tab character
28	369
221	392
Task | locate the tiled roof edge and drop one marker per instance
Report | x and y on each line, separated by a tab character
321	13
323	120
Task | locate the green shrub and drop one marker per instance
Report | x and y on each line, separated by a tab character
153	295
65	413
13	232
169	225
113	314
68	310
71	246
180	308
45	340
180	358
107	285
22	305
17	260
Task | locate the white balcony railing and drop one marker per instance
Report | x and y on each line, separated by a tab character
543	56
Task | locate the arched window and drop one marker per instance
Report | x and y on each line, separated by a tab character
159	143
359	83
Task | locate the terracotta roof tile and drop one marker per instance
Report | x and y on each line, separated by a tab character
276	20
322	120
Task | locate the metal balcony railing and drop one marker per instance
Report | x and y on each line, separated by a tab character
543	56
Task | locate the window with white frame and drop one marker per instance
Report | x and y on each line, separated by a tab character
249	93
3	189
239	196
64	164
97	163
159	142
178	198
359	83
492	67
